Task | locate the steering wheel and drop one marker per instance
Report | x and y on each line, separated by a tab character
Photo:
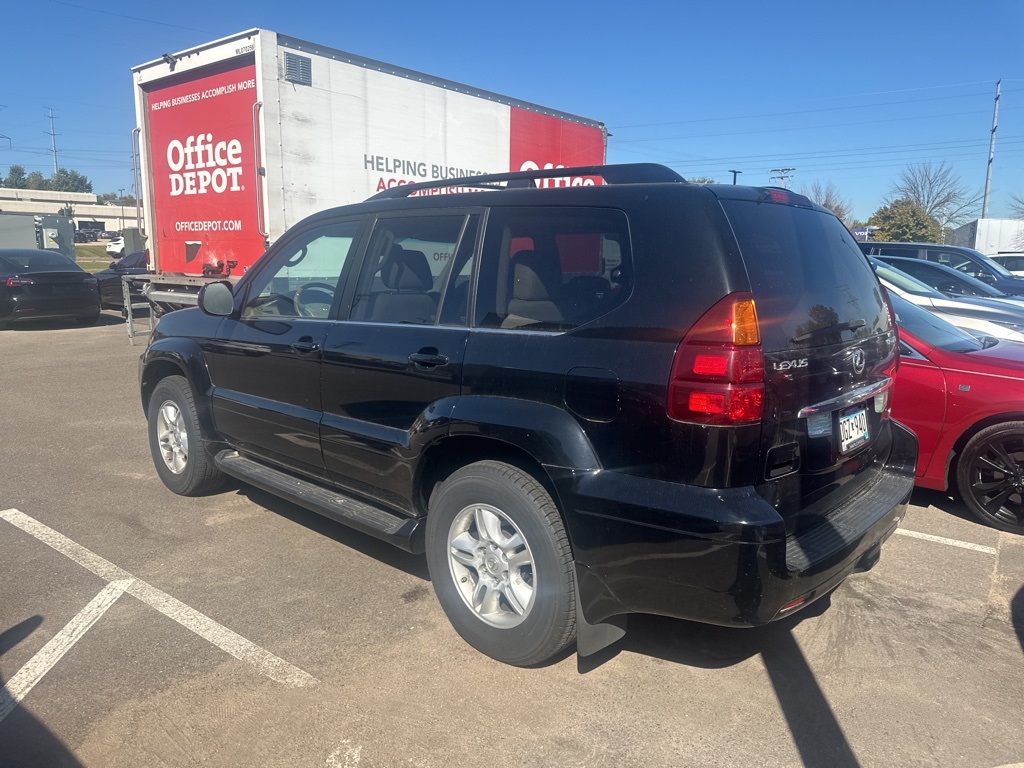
313	299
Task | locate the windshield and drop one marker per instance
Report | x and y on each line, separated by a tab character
994	264
39	261
943	278
903	281
930	329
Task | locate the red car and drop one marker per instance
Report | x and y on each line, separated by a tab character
964	397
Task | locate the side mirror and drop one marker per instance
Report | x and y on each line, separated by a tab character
985	277
216	299
113	265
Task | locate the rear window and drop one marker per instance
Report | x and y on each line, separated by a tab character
812	285
40	261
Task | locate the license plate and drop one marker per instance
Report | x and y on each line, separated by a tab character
853	430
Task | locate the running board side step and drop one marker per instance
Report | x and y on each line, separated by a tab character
403	532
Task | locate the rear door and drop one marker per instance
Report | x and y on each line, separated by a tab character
829	347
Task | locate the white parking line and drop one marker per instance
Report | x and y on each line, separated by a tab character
24	680
950	542
263	660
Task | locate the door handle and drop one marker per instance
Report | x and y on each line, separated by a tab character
427	361
305	345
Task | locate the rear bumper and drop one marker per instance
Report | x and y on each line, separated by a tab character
42	308
723	556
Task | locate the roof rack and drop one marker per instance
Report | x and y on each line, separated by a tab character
626	173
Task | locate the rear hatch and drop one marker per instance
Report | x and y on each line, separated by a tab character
829	352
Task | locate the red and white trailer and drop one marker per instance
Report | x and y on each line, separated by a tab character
241	138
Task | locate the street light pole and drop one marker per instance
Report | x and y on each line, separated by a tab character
734	175
120	197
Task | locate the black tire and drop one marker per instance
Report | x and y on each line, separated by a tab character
177	444
502	627
990	476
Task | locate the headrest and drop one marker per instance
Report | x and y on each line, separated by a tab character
537	277
404	270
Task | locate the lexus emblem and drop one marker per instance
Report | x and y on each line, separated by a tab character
857	359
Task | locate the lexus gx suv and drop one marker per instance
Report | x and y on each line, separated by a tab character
633	394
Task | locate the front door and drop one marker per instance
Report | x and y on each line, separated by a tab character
393	370
266	363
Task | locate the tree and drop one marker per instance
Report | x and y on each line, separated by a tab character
67	210
701	180
35	180
905	221
64	180
938	192
1016	206
15	177
827	195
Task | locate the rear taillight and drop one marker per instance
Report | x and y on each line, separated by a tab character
17	282
895	366
718	372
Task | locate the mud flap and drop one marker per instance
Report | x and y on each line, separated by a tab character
591	638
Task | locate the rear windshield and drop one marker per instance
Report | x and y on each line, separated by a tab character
40	261
812	285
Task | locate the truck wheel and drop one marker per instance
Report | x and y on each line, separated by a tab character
176	441
501	564
990	476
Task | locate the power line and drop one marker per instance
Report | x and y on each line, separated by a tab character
130	18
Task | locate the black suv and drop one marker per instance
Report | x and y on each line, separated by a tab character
966	260
640	395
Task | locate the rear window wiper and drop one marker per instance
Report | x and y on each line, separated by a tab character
849	325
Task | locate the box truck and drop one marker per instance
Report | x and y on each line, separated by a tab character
240	138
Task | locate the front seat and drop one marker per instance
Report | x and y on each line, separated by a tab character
406	276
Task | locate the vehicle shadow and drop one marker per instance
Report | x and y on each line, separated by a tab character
24	740
1017	616
816	732
68	324
414	565
945	501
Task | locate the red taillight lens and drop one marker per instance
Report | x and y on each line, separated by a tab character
718	372
17	282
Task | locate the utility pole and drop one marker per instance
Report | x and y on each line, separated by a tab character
734	175
991	153
53	138
781	174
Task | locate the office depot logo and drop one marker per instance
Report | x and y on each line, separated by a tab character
558	181
201	165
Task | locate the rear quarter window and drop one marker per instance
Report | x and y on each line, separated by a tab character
812	285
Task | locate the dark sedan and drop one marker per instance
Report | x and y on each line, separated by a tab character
111	292
39	285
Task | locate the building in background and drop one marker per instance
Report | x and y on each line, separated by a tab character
991	236
85	206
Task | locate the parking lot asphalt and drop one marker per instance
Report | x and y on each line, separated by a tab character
141	628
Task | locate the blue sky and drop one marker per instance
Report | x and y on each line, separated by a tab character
847	93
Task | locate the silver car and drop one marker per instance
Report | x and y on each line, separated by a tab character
976	315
